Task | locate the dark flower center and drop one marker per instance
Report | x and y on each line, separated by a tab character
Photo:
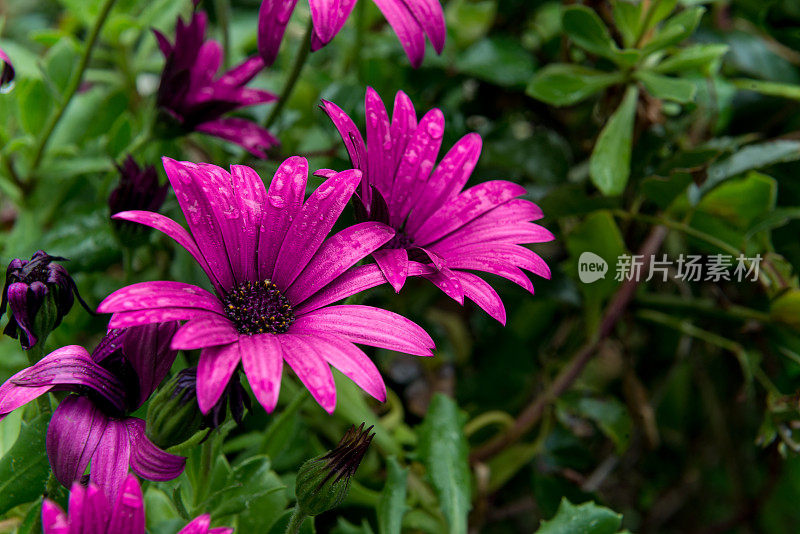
400	240
258	308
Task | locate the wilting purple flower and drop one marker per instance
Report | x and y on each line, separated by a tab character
449	230
411	20
90	512
6	73
190	95
274	274
39	293
92	425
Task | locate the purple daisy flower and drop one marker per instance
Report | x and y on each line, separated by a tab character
91	425
90	512
274	274
449	230
191	96
411	20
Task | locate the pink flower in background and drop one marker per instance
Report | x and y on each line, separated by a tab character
274	274
6	72
449	230
411	20
92	424
191	96
92	512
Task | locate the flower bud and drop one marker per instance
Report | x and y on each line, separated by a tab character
138	189
174	415
39	293
323	482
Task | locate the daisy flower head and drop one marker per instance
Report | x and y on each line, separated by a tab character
275	273
193	100
411	20
93	424
449	230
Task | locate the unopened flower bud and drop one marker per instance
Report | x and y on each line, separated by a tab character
138	189
323	482
6	73
174	415
39	293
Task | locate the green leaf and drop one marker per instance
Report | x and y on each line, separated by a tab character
628	19
782	90
60	63
675	29
610	415
25	469
609	165
243	490
392	504
586	29
667	88
587	518
35	103
703	58
443	449
563	84
499	60
9	431
755	156
600	235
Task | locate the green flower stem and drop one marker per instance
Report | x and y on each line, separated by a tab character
52	485
296	521
294	75
223	10
75	83
648	18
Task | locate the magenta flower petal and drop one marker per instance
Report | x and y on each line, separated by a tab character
444	279
273	16
147	349
482	294
262	360
393	262
353	363
380	162
312	224
368	326
73	435
251	195
171	229
284	200
303	355
478	231
54	520
354	281
68	368
329	16
205	332
431	17
13	396
146	459
353	141
127	516
147	295
111	458
404	123
467	206
447	180
247	134
415	165
336	255
406	27
491	264
242	73
214	370
126	319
